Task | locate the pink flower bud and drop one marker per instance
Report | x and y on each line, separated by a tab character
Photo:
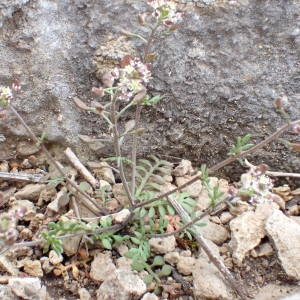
98	91
296	128
16	86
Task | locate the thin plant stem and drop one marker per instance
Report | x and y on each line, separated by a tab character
149	42
116	137
53	161
124	109
215	209
138	114
115	227
223	163
134	150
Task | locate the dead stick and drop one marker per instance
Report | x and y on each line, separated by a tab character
81	168
235	285
282	174
53	161
223	163
273	173
21	176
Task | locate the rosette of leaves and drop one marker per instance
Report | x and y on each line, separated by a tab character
140	255
53	238
150	179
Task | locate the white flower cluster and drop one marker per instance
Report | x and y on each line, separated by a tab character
6	95
257	186
166	11
131	79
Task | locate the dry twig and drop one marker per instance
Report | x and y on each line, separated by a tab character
81	168
21	176
87	198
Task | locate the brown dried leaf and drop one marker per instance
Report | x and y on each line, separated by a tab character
294	146
86	139
129	125
80	104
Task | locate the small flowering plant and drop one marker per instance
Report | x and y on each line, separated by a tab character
165	12
8	223
128	82
6	96
256	186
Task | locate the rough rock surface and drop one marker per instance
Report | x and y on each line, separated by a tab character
220	72
214	232
6	293
150	296
33	268
30	192
208	282
163	245
8	266
248	229
27	288
285	234
193	189
84	294
274	291
102	267
123	286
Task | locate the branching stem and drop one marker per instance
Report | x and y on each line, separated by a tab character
116	137
55	164
223	163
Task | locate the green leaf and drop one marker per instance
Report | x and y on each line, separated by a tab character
190	201
143	212
106	222
159	179
164	171
187	207
106	243
137	265
138	234
152	101
135	240
84	186
151	212
57	247
189	235
158	261
148	279
200	224
141	168
153	185
146	162
245	139
118	239
246	147
132	253
165	271
171	210
162	211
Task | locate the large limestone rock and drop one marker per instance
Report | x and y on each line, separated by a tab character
219	73
248	229
285	234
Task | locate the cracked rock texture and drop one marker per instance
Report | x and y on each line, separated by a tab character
219	73
285	234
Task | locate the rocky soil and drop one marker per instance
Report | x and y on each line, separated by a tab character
259	244
219	73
